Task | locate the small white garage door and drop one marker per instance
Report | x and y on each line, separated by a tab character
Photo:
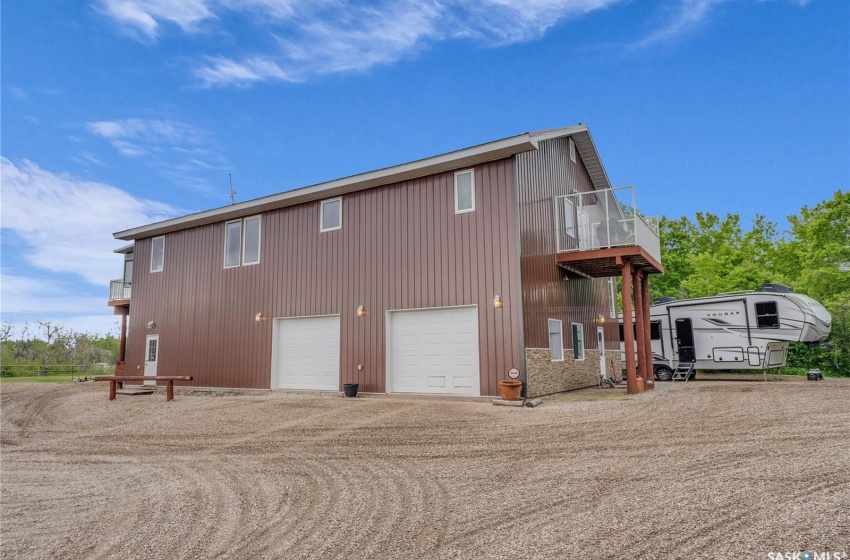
434	351
308	353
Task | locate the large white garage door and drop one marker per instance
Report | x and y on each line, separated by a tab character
434	351
308	353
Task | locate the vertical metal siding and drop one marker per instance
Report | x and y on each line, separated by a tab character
541	176
401	247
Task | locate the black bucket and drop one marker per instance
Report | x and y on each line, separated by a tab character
350	389
814	375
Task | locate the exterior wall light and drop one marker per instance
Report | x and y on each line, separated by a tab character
151	324
259	317
497	302
600	319
361	311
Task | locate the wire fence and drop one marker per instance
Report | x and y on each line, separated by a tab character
71	370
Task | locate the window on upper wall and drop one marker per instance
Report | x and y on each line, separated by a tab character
572	150
578	341
330	214
464	191
612	299
157	254
128	268
767	315
242	242
556	340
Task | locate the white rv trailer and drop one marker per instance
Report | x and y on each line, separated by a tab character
731	330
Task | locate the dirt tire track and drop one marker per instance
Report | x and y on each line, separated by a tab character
746	468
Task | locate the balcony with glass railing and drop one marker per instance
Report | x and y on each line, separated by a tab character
119	292
595	230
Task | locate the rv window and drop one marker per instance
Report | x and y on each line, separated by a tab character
767	315
655	330
623	334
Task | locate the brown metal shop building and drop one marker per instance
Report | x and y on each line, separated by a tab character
435	276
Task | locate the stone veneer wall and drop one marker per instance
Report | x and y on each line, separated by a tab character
544	377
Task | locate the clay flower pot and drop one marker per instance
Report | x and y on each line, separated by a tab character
510	389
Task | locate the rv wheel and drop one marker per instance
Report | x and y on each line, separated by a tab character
663	373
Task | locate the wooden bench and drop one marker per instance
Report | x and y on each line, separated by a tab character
114	380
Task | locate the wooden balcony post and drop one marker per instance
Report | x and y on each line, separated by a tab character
639	326
122	348
628	333
648	324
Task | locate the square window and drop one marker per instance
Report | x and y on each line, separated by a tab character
767	315
464	191
157	254
556	340
242	241
330	214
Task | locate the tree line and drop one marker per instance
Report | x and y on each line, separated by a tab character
712	254
48	347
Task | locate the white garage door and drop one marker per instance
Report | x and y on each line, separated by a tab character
308	353
434	351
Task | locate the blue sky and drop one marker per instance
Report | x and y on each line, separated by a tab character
117	113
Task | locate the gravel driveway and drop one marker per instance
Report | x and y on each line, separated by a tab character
706	469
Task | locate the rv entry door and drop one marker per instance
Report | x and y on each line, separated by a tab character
685	340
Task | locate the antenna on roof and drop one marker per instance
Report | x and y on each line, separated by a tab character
232	192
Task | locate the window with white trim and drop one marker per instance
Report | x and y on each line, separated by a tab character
572	150
556	340
578	341
330	214
464	191
157	254
242	242
612	299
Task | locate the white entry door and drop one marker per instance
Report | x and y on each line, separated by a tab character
308	353
434	351
600	341
151	356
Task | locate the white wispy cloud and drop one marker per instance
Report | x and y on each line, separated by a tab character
134	137
145	17
308	38
177	150
22	294
65	224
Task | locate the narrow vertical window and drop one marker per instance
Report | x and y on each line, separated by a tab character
556	340
157	254
251	246
232	243
578	341
330	215
464	191
612	299
572	150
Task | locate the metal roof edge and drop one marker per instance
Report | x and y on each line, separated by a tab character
436	164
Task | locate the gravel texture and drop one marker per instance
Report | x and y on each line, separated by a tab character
706	469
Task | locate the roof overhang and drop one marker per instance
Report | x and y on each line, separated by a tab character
459	159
